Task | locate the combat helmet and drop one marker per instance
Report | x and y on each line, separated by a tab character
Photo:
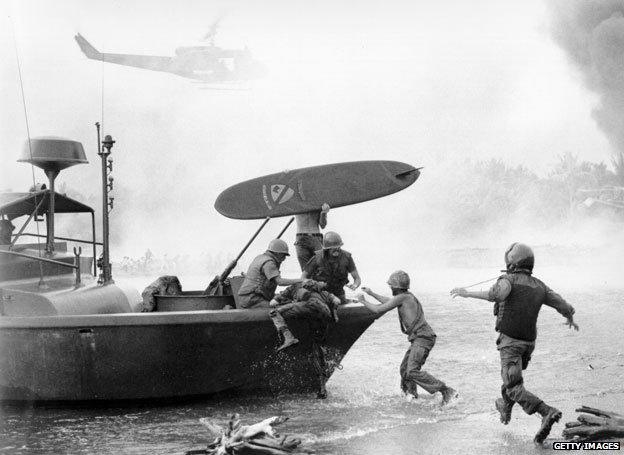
332	240
399	280
278	246
519	257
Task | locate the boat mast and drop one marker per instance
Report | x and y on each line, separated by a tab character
51	173
106	276
52	154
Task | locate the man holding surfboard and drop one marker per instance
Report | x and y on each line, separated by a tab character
309	237
263	277
332	265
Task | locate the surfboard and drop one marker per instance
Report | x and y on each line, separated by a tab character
306	189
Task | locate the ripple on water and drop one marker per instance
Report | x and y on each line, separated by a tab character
365	402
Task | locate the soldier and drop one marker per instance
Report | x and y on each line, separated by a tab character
263	276
332	265
308	301
309	238
420	335
518	297
6	231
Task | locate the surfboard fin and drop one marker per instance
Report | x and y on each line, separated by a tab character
406	173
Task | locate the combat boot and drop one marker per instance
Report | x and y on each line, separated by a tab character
448	393
289	340
550	416
322	392
504	409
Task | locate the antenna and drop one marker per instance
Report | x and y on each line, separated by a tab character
32	168
107	204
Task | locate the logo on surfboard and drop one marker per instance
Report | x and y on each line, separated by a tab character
278	194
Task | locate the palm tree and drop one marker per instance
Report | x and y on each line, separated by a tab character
618	165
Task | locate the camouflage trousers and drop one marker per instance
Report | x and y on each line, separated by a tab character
307	245
252	301
515	356
411	373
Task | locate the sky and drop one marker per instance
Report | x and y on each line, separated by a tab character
427	83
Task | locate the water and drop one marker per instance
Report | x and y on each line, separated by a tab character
365	412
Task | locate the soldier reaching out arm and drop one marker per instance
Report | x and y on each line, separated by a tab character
420	335
518	297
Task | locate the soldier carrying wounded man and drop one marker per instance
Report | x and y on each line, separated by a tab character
308	301
333	265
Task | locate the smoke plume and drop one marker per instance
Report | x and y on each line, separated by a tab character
592	34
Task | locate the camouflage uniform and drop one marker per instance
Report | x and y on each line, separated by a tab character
259	285
332	271
519	297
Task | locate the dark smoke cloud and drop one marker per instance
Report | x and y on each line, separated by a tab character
592	34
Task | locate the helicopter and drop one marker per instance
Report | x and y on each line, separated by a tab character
205	63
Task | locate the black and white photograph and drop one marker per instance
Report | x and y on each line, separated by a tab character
311	227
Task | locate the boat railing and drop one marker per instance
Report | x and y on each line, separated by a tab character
69	239
75	265
92	242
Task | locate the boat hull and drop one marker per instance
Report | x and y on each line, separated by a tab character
143	356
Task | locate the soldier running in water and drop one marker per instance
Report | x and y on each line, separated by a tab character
420	335
518	298
309	238
310	302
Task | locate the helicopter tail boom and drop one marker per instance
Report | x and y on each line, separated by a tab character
87	48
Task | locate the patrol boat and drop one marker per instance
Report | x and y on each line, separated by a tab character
70	333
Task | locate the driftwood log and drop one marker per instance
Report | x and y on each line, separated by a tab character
595	424
258	439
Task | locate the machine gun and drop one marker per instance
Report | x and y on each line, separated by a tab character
219	284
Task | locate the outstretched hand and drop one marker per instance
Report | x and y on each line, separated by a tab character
366	290
571	324
459	292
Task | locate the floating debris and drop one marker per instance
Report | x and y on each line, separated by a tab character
258	439
600	425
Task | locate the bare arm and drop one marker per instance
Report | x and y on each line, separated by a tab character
378	297
383	307
323	215
287	281
356	280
